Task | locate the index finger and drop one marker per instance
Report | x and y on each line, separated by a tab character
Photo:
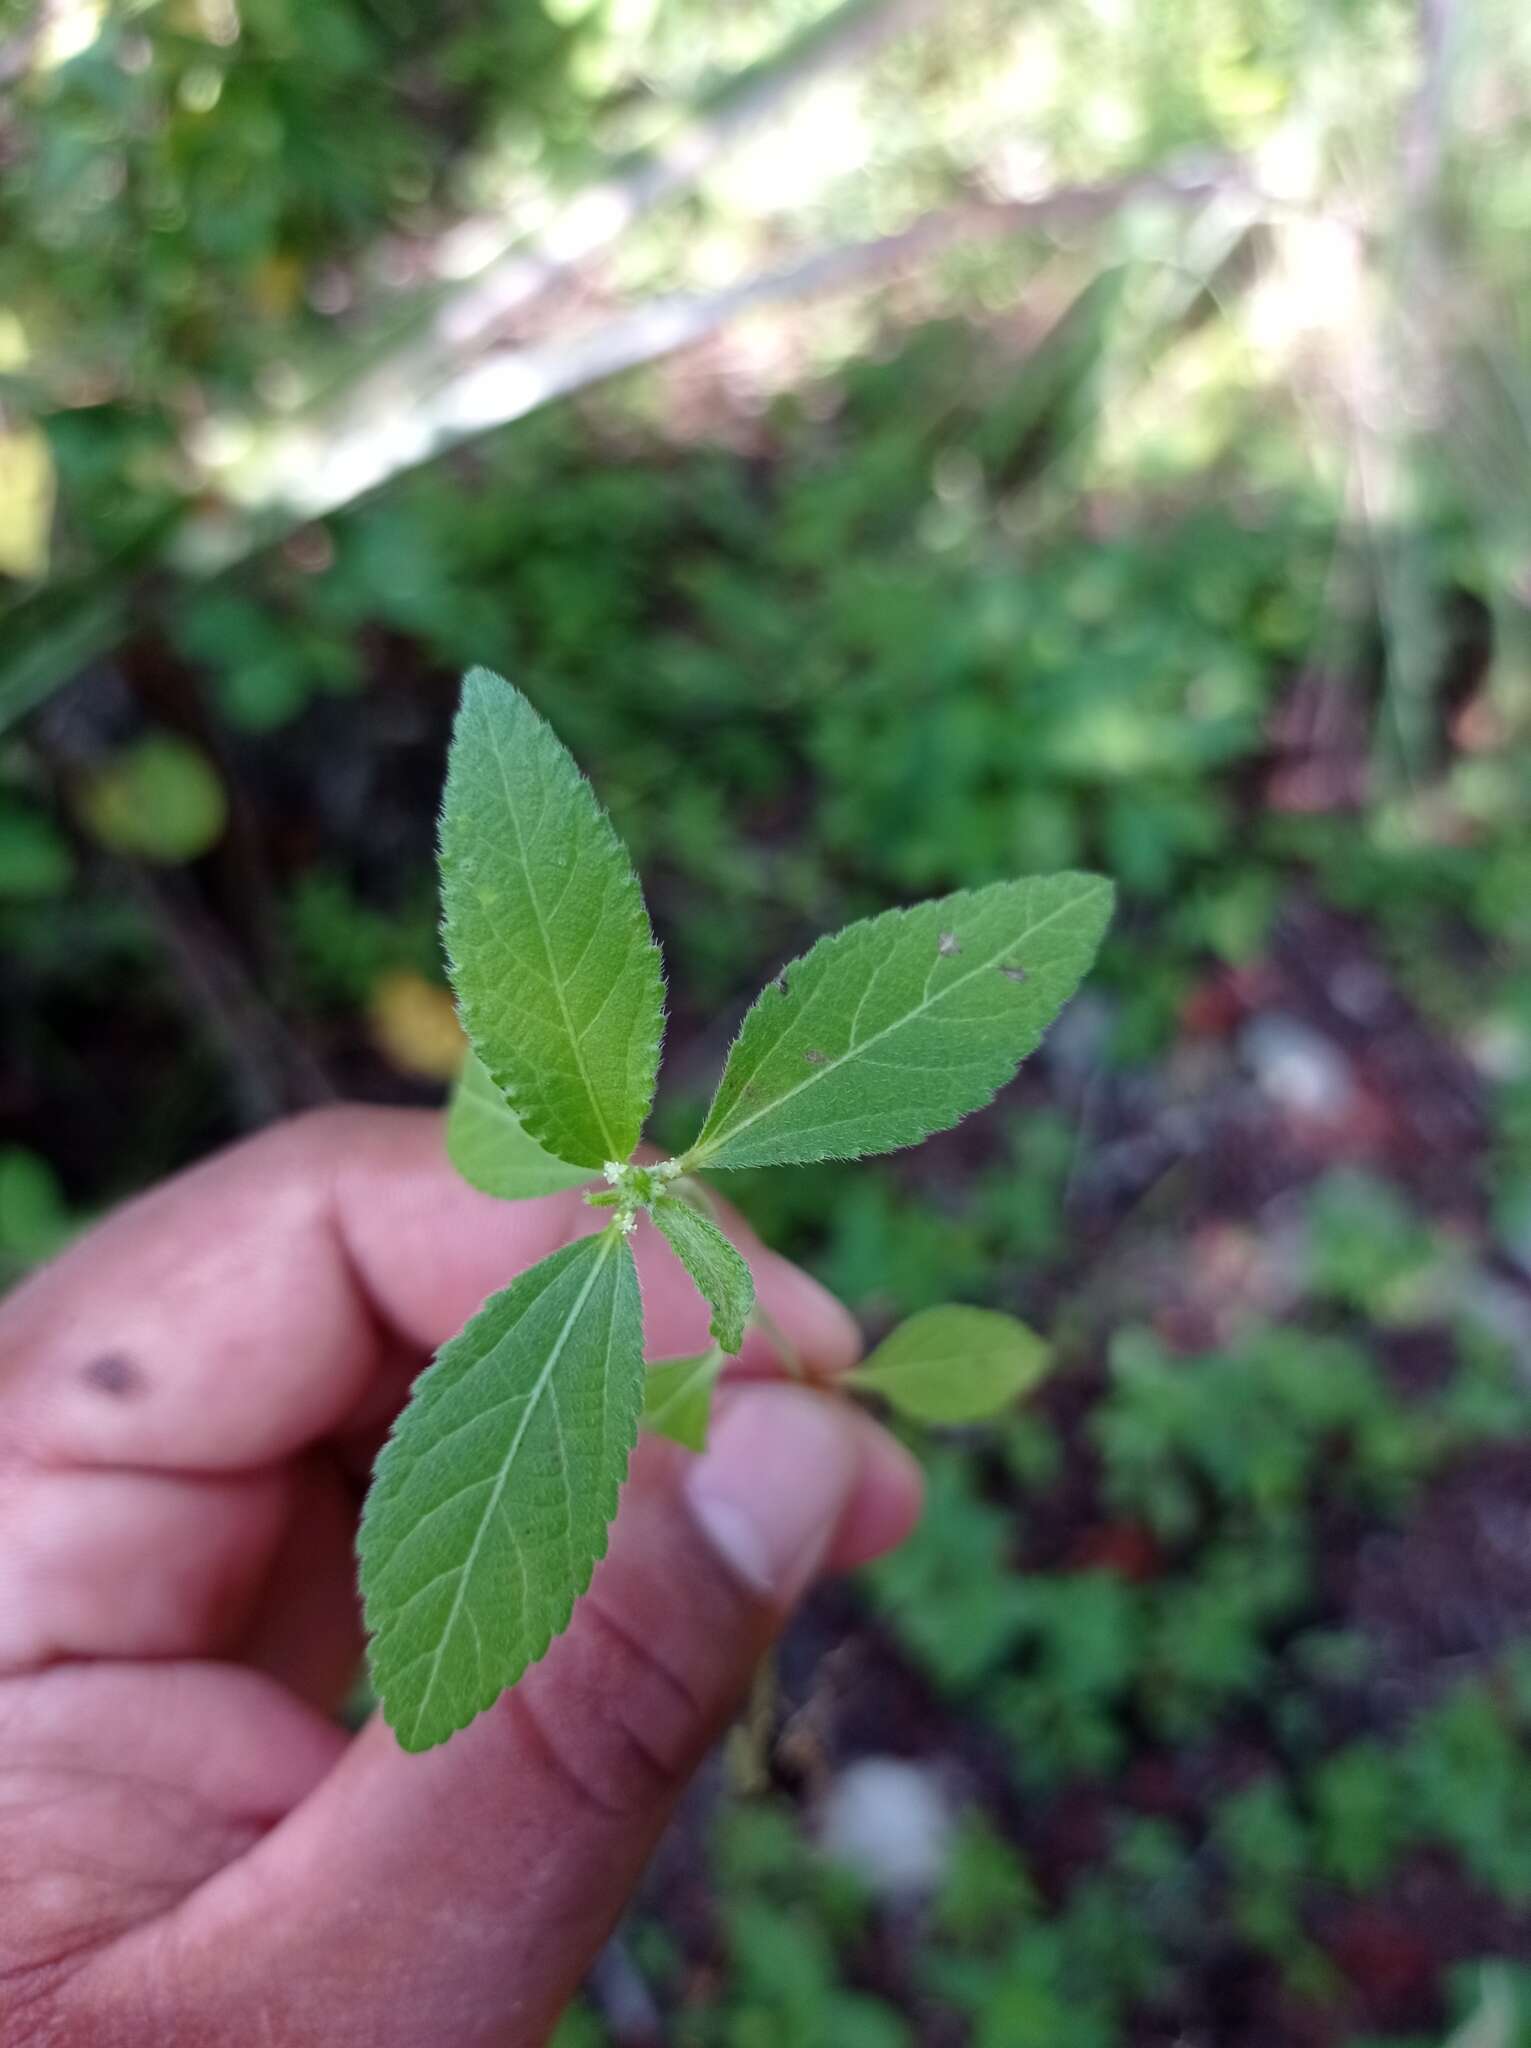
243	1310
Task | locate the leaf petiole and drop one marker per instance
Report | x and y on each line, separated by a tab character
786	1351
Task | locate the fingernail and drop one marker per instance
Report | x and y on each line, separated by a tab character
777	1476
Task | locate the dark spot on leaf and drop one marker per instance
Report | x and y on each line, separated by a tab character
949	945
780	984
1013	973
815	1058
115	1375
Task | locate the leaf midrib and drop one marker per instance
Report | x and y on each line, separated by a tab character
702	1151
575	1042
873	1371
555	1351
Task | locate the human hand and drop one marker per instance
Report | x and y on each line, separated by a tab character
191	1850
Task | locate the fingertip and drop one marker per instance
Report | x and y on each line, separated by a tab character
796	1482
773	1487
821	1330
823	1334
886	1502
426	1246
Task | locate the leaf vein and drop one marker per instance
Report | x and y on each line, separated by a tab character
822	1073
555	1351
542	933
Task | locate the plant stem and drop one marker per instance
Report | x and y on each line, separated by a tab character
786	1350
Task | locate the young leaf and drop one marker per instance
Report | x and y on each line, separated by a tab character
555	967
721	1275
488	1145
677	1397
490	1500
954	1364
900	1025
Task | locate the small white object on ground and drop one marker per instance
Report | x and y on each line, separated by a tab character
891	1823
1297	1066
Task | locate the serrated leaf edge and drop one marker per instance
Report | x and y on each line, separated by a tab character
528	1110
729	1249
608	1240
703	1153
454	1110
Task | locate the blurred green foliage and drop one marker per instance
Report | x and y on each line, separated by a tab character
1236	1462
178	186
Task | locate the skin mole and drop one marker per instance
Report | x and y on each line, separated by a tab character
115	1375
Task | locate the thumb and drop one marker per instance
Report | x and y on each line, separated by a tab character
461	1894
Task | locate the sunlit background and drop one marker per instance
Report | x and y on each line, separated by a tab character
898	445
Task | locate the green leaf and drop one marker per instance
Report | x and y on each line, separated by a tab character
900	1025
159	799
556	971
677	1399
34	1216
954	1364
35	858
28	489
721	1275
490	1501
488	1145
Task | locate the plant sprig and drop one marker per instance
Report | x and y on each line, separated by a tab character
491	1500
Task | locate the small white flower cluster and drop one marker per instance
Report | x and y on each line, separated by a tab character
637	1187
